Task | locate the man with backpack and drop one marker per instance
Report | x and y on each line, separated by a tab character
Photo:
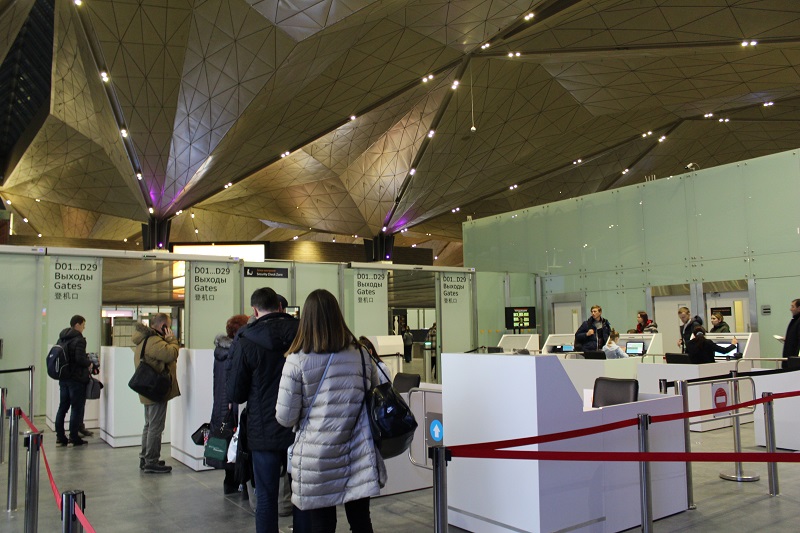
72	382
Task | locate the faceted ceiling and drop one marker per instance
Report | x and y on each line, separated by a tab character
331	119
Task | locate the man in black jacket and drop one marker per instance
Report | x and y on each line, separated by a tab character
594	333
791	343
72	383
256	365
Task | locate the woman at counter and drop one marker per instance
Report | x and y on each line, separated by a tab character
718	324
611	349
701	350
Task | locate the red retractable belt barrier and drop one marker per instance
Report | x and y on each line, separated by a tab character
496	449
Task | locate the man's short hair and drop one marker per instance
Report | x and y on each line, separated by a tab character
159	320
264	299
75	320
796	302
283	301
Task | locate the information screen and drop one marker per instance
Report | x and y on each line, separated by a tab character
520	317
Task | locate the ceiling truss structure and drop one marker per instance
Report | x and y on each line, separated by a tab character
318	119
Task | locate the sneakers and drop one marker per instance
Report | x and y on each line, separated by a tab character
62	441
85	432
156	468
141	463
78	442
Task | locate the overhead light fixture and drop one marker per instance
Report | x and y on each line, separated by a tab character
8	202
529	16
25	220
77	3
749	43
435	257
413	245
104	76
125	239
455	84
517	54
383	229
708	115
295	238
40	235
352	117
431	133
768	104
625	171
484	46
427	78
412	171
428	234
192	215
513	187
511	54
178	212
38	200
151	210
123	132
662	138
139	176
355	236
196	230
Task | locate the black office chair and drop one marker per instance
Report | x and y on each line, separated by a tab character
613	391
405	382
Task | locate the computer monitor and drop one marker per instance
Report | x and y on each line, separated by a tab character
293	310
634	348
677	359
594	355
566	348
724	355
494	349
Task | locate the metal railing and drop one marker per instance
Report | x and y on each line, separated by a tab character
424	392
32	370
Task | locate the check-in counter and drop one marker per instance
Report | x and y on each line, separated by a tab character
583	372
528	396
121	413
651	343
516	341
748	344
390	348
193	407
91	415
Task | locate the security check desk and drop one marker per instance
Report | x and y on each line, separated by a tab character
511	343
529	396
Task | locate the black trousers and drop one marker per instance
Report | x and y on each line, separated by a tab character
324	520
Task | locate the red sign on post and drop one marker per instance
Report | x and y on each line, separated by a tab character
720	397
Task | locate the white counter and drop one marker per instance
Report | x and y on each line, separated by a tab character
193	407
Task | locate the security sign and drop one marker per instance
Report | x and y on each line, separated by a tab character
435	433
720	396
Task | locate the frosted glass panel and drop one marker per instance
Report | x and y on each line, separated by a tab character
564	238
771	204
513	231
482	248
775	266
600	230
666	222
632	278
312	276
668	274
601	281
719	199
773	292
522	291
559	284
630	227
721	269
537	252
491	307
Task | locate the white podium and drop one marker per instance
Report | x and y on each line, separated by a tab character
498	397
193	407
121	413
787	426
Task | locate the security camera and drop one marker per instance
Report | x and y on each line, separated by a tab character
692	166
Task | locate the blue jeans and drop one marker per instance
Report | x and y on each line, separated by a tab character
267	472
73	396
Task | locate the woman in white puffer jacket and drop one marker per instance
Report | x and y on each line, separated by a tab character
334	460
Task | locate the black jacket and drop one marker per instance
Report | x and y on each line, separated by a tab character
791	346
594	342
74	345
688	331
722	327
219	410
701	350
256	367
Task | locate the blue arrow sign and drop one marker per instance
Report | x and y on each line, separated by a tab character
436	430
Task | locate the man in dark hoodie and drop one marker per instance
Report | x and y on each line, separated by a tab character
257	358
72	383
688	325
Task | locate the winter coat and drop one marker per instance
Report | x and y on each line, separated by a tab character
722	327
650	327
791	343
687	330
334	459
74	345
594	342
257	360
219	410
701	350
160	352
613	351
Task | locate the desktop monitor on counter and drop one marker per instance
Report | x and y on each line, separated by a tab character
677	359
594	355
634	348
293	310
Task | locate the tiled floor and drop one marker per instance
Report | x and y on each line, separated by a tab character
120	498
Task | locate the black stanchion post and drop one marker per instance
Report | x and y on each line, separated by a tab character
662	386
69	520
738	474
3	395
439	455
682	389
644	474
13	445
769	431
33	441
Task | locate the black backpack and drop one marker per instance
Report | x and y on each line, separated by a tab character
57	361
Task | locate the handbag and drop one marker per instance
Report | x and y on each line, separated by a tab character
390	418
93	389
148	381
217	443
201	433
233	447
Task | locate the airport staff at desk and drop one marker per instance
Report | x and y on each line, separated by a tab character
644	324
718	324
593	333
701	350
611	349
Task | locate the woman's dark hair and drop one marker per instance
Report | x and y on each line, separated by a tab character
369	346
234	323
322	328
699	330
718	316
644	316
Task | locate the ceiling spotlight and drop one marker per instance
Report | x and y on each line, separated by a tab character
484	46
516	54
333	240
192	215
693	166
727	120
383	229
25	220
38	200
511	54
230	184
125	239
745	43
428	234
753	43
625	171
529	16
295	238
355	236
104	76
473	129
179	212
708	115
40	235
768	104
151	210
226	186
435	257
427	78
412	171
662	138
196	230
8	202
139	176
644	135
77	3
123	132
455	83
413	245
431	134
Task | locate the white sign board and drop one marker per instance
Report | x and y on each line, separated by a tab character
368	302
455	331
212	297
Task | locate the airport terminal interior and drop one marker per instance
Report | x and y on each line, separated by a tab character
484	172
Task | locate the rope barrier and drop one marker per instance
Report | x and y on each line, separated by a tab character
493	449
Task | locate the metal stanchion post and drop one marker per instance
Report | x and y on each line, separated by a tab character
440	456
3	395
33	441
30	391
645	495
13	444
738	474
662	386
769	431
682	389
69	520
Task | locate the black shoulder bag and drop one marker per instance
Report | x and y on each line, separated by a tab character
390	418
148	381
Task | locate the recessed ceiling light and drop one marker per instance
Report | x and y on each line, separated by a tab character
139	176
192	215
196	230
431	134
295	238
125	239
436	257
8	202
412	171
529	16
768	104
485	46
38	200
413	245
25	220
123	132
104	76
708	115
516	54
352	117
151	210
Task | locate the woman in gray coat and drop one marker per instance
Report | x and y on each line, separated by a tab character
334	460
